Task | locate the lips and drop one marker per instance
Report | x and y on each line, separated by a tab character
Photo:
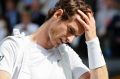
61	41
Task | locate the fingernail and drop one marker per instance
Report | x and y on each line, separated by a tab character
78	10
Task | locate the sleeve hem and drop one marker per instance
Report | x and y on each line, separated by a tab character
77	76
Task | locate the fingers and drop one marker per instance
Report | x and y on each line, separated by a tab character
82	22
85	20
84	16
88	22
90	15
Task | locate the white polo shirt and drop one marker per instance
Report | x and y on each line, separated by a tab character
41	63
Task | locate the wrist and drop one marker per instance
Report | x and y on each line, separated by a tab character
93	40
90	36
95	55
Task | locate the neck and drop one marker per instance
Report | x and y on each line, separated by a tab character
42	33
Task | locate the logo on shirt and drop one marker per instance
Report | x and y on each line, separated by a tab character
1	57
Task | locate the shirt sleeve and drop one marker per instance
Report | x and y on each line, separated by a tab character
77	66
7	55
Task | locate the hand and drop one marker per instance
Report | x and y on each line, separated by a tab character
88	22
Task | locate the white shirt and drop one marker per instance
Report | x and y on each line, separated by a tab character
41	63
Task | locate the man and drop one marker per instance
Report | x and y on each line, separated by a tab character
46	57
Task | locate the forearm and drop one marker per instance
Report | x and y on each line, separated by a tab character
99	73
97	63
96	60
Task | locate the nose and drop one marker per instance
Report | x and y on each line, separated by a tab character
70	39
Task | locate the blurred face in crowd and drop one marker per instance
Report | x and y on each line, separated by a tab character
61	31
26	18
35	5
110	3
10	5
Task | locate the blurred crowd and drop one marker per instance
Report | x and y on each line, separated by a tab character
25	15
108	26
28	16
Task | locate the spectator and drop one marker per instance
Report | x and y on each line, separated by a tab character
11	12
48	4
26	2
26	25
113	31
1	7
37	16
4	28
103	18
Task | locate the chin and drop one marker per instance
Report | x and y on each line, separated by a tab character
55	44
52	44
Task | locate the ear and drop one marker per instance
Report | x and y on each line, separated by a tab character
58	13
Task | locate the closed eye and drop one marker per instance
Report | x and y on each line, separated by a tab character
71	30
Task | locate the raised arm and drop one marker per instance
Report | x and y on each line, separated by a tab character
97	65
98	73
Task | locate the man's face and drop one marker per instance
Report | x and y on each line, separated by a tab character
64	31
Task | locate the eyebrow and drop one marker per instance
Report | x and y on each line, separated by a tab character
72	30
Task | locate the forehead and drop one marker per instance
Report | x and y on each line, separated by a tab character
73	22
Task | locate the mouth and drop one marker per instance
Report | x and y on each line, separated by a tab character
60	42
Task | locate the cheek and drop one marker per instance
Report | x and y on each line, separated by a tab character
57	32
52	33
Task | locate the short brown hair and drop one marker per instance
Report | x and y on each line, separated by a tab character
70	8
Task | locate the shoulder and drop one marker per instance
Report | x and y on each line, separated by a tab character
7	40
11	41
9	46
12	45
